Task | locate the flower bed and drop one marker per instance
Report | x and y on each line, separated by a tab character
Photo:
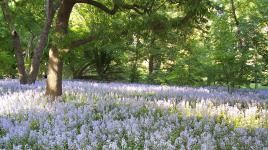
131	116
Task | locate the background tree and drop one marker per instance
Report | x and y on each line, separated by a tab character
54	82
32	25
178	42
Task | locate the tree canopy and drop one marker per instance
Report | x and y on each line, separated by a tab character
177	42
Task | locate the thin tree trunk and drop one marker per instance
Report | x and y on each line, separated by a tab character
151	58
29	50
78	73
15	42
99	64
19	57
38	52
151	64
24	78
237	24
134	70
239	38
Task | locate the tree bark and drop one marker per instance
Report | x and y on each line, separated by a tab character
151	58
134	71
38	52
77	74
19	57
54	78
31	78
15	42
100	63
55	66
237	24
240	43
151	64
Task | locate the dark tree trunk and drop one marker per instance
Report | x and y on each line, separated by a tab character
99	58
24	78
237	24
158	63
19	57
134	70
78	74
54	81
15	42
240	43
151	58
151	64
38	52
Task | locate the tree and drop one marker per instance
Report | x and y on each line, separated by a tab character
236	43
38	51
54	81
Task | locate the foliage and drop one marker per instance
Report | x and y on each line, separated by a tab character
177	42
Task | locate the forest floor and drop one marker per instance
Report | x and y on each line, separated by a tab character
131	116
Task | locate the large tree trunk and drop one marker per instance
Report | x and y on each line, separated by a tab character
55	66
54	78
54	87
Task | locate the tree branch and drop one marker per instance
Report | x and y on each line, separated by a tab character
138	9
135	7
82	41
7	14
38	51
100	6
16	43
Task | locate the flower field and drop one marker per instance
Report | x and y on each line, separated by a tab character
131	116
